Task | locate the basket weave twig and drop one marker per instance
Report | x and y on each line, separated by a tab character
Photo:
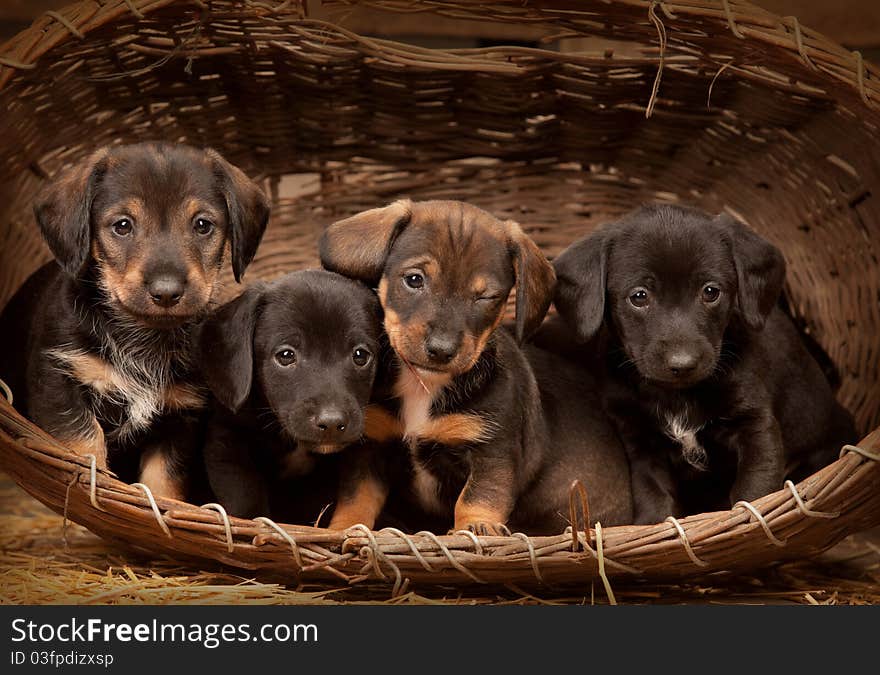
716	103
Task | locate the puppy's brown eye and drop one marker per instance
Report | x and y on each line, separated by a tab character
122	227
361	356
711	293
285	357
414	280
203	226
639	298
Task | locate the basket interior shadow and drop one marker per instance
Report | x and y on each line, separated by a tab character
724	106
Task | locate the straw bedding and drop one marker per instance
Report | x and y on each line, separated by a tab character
724	106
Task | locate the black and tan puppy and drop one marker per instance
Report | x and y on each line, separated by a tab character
96	344
292	363
714	393
488	445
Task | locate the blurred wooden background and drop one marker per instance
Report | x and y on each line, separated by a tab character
853	23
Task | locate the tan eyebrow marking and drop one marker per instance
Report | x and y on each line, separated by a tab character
425	262
133	206
194	205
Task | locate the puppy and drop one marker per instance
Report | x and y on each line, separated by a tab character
96	344
292	365
487	447
714	394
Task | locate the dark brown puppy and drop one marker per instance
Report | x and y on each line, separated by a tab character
712	389
486	448
96	345
291	364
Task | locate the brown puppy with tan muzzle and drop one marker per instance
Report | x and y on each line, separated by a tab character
488	444
96	344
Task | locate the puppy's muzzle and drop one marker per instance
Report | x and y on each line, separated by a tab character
166	290
330	421
441	348
681	363
332	426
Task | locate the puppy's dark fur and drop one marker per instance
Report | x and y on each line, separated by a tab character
96	343
485	424
291	364
714	394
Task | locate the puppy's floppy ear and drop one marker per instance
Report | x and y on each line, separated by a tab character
535	281
581	274
63	211
760	271
358	246
224	348
248	209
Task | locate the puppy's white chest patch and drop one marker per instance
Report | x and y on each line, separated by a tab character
682	432
143	392
416	394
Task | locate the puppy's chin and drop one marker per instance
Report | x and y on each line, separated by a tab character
669	381
320	448
159	319
162	321
309	439
429	372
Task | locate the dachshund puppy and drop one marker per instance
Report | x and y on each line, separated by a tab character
96	347
292	365
712	390
483	450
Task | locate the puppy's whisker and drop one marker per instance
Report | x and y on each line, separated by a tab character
624	361
726	363
415	374
268	419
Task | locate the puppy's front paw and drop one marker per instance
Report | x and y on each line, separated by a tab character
481	519
486	529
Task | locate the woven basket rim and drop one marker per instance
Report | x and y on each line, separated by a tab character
694	545
691	546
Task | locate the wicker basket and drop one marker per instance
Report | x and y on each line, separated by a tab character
713	102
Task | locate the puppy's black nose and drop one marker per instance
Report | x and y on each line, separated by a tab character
331	420
681	362
166	290
441	349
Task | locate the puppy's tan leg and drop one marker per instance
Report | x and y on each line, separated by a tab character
89	442
156	474
361	506
485	503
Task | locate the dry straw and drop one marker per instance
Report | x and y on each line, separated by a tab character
559	141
